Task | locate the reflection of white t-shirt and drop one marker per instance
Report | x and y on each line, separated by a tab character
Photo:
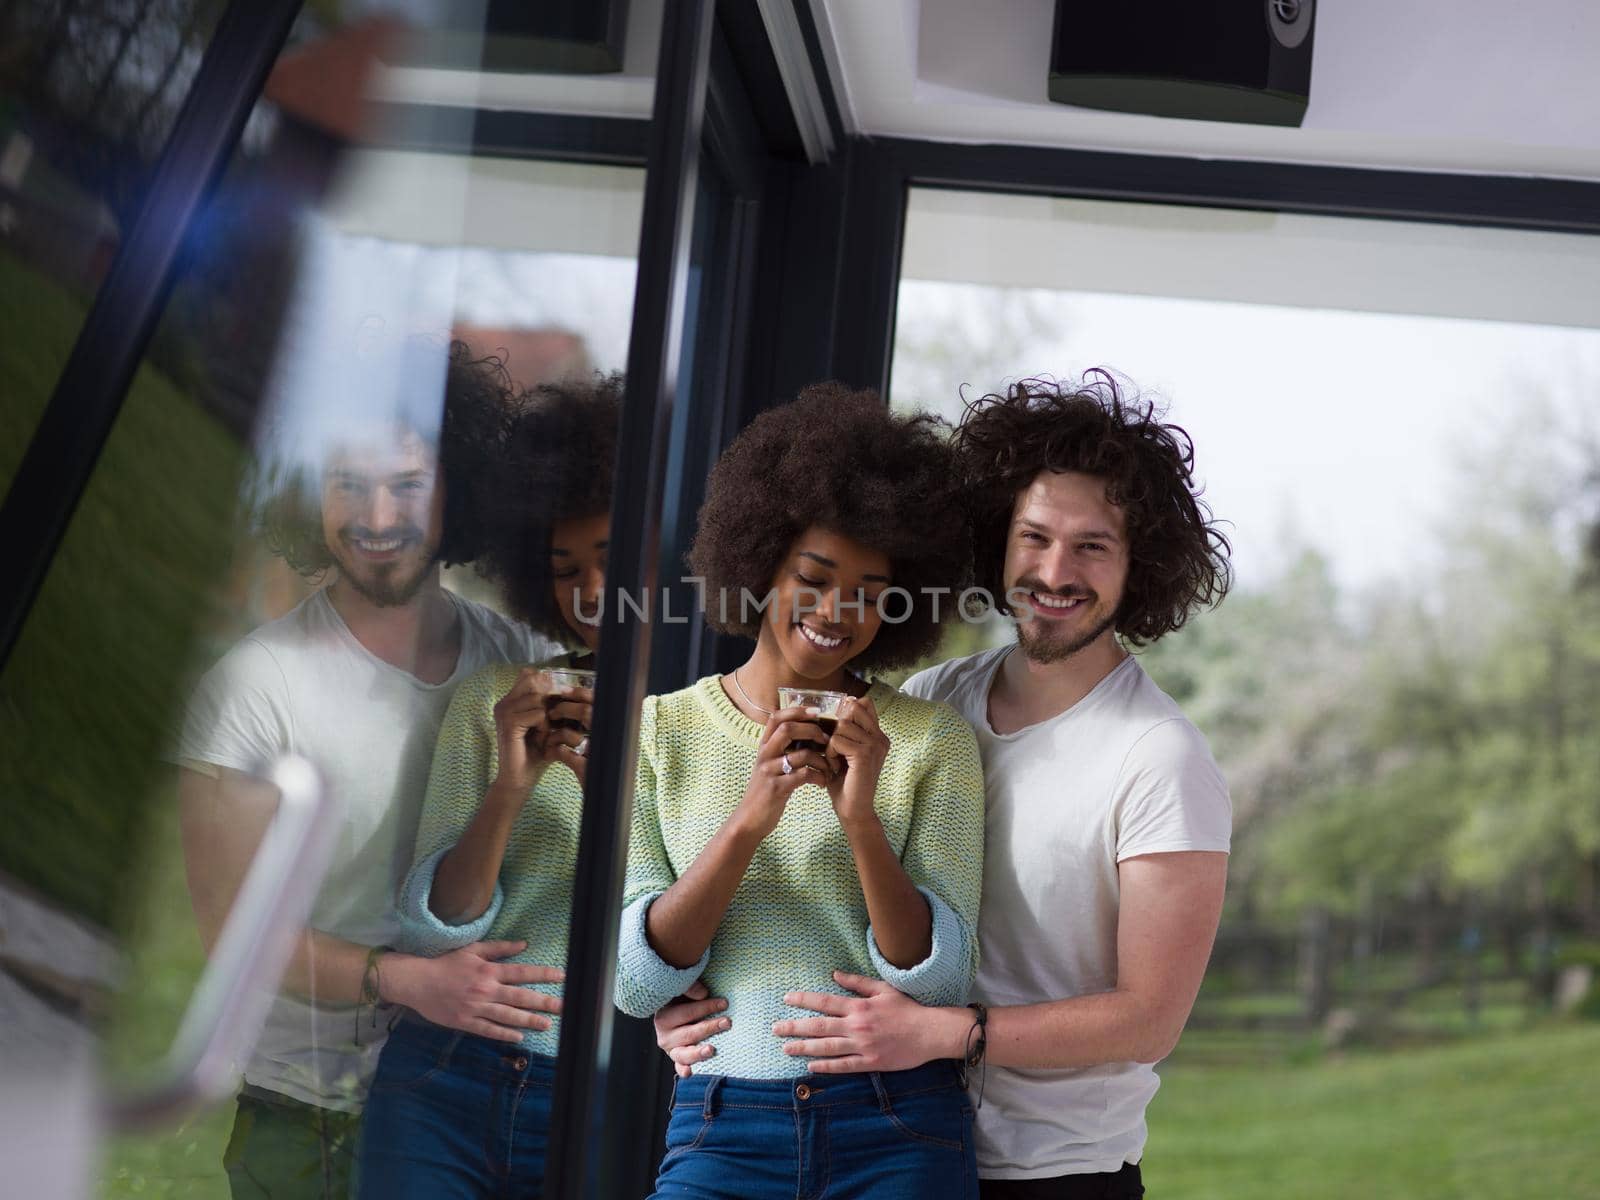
1120	773
303	684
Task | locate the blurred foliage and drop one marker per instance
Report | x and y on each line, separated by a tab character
1584	956
935	343
1433	745
99	83
1579	954
957	639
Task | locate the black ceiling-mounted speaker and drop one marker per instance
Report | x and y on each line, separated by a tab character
1207	60
570	37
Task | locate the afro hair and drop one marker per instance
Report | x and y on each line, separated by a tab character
837	458
557	462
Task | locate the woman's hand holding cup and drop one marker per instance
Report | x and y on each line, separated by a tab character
570	713
781	767
539	721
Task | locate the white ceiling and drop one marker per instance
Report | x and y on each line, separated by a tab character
1478	86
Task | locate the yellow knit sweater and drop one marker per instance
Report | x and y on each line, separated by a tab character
533	897
799	913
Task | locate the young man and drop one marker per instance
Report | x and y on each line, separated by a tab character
356	679
1108	823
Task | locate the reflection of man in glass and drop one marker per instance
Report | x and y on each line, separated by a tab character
452	1115
382	518
367	488
1107	825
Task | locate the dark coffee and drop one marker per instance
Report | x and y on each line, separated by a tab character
826	703
827	725
564	722
569	677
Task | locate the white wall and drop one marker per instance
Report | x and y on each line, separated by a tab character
1254	257
500	203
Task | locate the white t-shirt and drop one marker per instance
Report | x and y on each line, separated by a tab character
304	684
1120	773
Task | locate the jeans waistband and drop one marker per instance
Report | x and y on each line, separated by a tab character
470	1053
878	1088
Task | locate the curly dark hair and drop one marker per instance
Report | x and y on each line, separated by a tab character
838	458
1178	558
557	462
464	436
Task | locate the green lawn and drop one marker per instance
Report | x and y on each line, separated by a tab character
39	322
1501	1118
87	699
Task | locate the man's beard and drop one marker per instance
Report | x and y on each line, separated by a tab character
385	584
1043	650
387	591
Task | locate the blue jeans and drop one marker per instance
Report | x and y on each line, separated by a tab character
900	1135
455	1117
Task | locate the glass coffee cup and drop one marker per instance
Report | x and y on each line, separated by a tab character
568	677
571	677
827	705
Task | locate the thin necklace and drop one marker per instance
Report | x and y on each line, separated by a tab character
766	712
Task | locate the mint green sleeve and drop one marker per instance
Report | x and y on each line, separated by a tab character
645	980
464	764
944	859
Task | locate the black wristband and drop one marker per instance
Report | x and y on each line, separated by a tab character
977	1047
978	1035
371	991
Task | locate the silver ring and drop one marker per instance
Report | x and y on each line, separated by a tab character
788	767
583	745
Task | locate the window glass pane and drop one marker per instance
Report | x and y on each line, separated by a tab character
88	93
1397	424
366	459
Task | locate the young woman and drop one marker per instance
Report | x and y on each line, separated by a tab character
452	1114
766	854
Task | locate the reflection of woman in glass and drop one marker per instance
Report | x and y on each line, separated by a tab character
453	1114
766	853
